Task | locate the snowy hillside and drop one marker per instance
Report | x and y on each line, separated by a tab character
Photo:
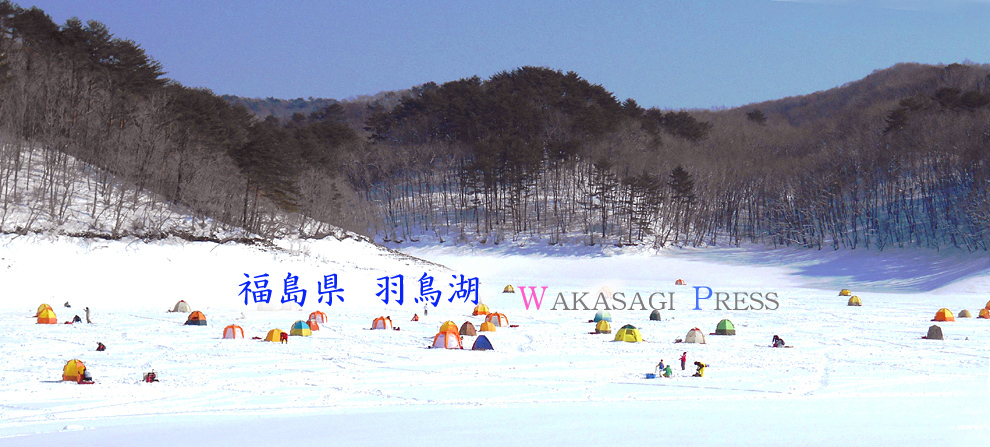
856	375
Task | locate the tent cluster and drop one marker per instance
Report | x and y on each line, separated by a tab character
301	328
450	335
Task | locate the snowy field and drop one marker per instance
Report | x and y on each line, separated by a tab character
856	375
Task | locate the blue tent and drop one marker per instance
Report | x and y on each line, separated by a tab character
482	344
603	315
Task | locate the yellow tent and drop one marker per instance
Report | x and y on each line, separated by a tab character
855	301
300	328
447	325
481	309
274	335
509	289
845	292
603	327
73	370
944	314
628	333
45	306
47	316
487	327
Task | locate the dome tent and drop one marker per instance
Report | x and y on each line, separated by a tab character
181	306
274	335
482	344
855	301
680	282
447	340
655	315
603	315
628	333
468	329
233	331
300	328
845	292
602	327
382	323
934	333
448	326
42	308
47	316
944	314
196	319
318	316
964	314
73	370
695	336
481	309
725	327
509	289
486	327
497	319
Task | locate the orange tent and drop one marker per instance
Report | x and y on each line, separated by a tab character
987	306
47	316
196	319
73	370
447	325
447	340
415	317
233	331
497	319
944	314
487	327
320	317
680	282
45	306
382	323
481	309
984	313
313	325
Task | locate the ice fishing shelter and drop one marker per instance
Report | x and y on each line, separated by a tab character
628	333
934	333
41	308
313	325
47	316
318	316
468	329
725	327
181	306
274	335
382	323
196	319
695	336
497	319
447	340
855	301
509	289
233	331
655	315
481	309
944	314
482	344
985	313
964	314
603	327
448	326
486	327
73	370
603	315
845	292
300	328
680	282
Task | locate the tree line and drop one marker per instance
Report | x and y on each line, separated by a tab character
896	159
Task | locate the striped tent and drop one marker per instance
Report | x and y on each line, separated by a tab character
233	331
300	328
725	327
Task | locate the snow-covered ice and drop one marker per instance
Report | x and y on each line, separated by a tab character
856	375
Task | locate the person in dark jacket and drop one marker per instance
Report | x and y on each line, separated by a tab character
701	369
100	346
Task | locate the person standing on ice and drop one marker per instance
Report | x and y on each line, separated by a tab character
660	367
683	360
87	315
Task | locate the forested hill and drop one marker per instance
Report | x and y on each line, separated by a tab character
896	159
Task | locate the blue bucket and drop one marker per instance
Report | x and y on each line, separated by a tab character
651	376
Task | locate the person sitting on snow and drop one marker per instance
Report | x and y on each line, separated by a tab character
86	377
778	342
100	346
77	319
667	372
701	369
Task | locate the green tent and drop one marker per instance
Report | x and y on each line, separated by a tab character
603	315
725	327
655	315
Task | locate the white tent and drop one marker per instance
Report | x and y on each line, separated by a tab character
181	306
695	336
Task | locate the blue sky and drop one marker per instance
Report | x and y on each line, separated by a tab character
668	54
